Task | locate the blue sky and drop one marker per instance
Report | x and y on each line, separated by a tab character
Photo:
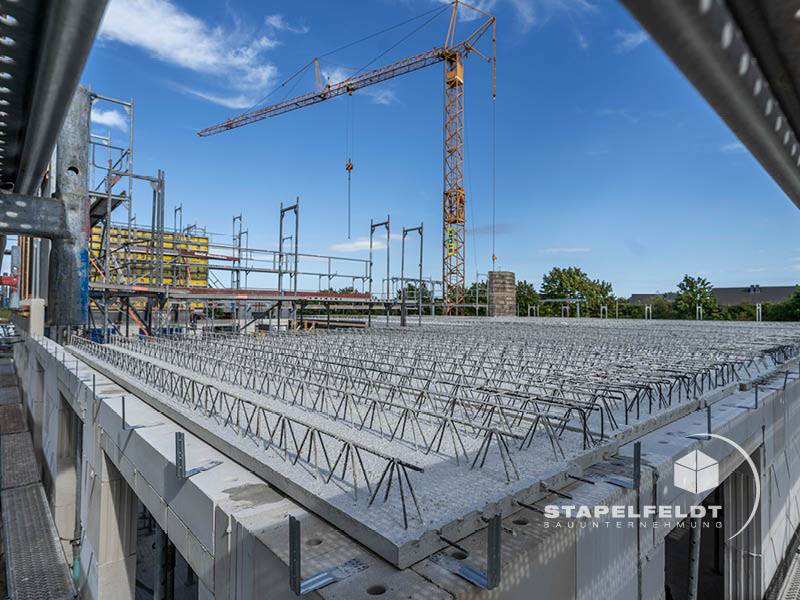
607	158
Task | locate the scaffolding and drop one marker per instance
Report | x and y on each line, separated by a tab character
158	278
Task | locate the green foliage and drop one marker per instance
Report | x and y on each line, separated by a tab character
693	291
572	282
526	296
662	308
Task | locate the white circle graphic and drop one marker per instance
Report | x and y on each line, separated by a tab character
752	466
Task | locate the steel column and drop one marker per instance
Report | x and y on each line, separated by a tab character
68	285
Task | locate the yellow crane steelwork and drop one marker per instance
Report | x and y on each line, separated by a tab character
452	54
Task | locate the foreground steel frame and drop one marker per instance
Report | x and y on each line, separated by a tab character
706	42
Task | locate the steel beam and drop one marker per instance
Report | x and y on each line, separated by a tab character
704	40
62	47
32	215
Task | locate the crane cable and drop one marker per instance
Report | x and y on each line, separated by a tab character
494	177
437	10
349	147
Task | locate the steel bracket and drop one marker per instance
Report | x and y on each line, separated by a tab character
180	459
301	587
485	581
637	471
126	427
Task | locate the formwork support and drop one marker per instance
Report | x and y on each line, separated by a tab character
372	227
406	231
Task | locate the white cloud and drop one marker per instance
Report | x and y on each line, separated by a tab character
630	40
361	243
279	23
568	250
110	118
379	95
528	13
357	245
617	112
334	75
238	102
732	147
168	33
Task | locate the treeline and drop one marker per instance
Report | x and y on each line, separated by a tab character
573	283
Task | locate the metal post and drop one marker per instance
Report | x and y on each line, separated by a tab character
180	456
402	280
419	285
164	588
280	254
68	284
294	555
369	305
388	283
372	227
296	235
493	558
694	557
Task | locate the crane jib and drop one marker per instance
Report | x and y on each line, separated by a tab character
431	57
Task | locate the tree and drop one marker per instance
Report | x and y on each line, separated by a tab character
787	310
693	291
572	282
526	296
662	308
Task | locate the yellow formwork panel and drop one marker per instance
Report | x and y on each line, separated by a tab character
186	271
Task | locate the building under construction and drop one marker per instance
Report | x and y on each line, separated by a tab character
185	415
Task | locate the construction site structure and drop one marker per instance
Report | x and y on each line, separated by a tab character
452	54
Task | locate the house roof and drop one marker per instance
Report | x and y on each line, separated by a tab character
730	296
753	294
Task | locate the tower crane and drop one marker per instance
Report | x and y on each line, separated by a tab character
452	54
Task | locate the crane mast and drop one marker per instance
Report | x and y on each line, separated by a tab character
454	196
453	211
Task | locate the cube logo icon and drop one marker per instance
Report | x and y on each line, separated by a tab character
696	472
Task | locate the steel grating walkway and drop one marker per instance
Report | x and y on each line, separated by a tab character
35	565
17	461
36	568
791	585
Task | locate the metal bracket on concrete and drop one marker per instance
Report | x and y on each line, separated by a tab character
126	427
485	581
637	470
180	459
301	587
